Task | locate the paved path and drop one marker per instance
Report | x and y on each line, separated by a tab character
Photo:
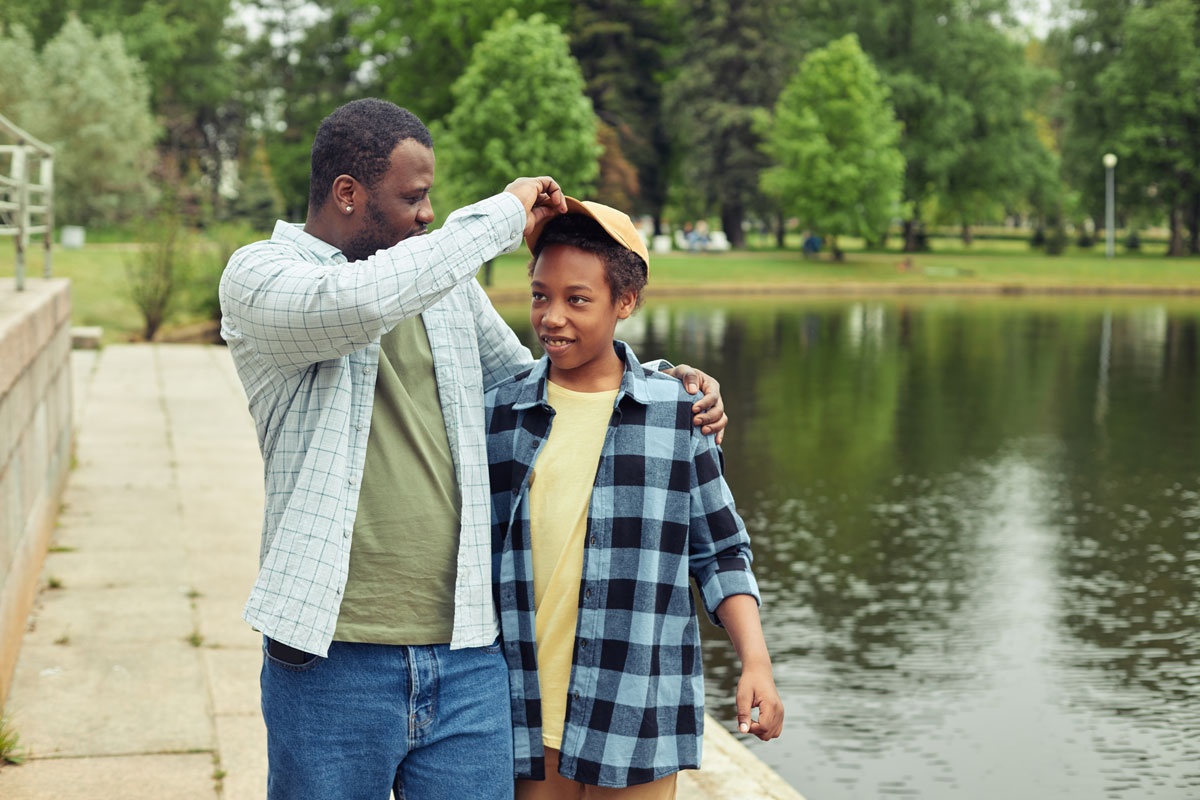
137	678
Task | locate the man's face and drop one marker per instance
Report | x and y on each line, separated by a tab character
398	206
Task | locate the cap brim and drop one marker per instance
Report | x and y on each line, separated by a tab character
622	237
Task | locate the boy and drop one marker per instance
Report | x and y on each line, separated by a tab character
603	501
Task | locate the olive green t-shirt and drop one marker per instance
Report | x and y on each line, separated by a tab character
404	550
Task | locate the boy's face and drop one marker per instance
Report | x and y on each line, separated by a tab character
574	316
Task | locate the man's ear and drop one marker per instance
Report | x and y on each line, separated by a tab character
347	192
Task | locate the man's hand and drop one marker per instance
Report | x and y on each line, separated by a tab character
541	197
709	409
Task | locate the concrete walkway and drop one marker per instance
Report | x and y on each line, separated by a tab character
137	678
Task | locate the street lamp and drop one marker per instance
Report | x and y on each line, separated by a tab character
1110	163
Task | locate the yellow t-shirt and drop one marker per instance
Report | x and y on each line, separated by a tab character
560	491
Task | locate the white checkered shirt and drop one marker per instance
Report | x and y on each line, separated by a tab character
303	327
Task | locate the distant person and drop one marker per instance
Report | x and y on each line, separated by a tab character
364	345
604	501
811	245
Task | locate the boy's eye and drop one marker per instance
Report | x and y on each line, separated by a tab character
578	301
538	296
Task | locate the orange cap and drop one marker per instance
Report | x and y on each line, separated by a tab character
616	224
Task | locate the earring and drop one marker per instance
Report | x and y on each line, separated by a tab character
349	209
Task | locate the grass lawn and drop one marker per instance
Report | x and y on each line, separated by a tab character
100	294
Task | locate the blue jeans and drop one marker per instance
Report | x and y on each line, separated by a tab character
426	722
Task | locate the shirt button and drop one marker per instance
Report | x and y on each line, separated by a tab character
347	533
366	370
582	643
587	593
593	541
533	444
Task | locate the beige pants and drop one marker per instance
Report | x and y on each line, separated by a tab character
556	787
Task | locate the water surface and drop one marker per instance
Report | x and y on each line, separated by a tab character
977	531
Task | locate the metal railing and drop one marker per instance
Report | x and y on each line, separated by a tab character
26	205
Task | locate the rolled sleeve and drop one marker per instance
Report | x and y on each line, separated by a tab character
719	547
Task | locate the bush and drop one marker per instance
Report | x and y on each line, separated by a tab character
1085	238
1133	242
162	265
1056	241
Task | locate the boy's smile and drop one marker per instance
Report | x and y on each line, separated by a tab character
574	316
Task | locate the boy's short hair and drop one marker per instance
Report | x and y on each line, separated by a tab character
604	232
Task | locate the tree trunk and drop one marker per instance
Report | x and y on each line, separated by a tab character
487	272
780	230
966	233
1176	246
834	250
731	221
1194	224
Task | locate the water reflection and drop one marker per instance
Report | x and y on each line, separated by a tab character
977	528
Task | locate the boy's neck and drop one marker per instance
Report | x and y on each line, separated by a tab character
593	377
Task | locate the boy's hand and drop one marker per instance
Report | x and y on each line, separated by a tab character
756	689
541	197
709	409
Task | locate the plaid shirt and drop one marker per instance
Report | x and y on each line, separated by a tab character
659	510
303	327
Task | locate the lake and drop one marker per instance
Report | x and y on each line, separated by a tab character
976	524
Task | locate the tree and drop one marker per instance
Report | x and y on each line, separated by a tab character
736	57
1083	52
417	49
834	140
87	97
1152	86
961	88
622	47
519	109
183	46
298	69
1001	160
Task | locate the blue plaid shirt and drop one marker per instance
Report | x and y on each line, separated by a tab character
660	510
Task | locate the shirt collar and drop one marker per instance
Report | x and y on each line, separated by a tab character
294	233
634	383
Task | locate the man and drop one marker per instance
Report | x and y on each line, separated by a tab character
364	345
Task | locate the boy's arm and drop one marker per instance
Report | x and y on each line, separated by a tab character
756	687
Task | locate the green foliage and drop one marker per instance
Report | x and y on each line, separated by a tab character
736	56
1152	88
293	75
622	47
258	201
162	266
184	47
11	751
520	110
835	143
418	49
89	99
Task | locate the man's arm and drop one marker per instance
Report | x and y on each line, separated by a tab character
295	312
709	410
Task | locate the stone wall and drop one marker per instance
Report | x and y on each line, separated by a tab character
35	445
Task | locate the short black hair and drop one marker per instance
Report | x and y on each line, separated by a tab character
624	269
357	139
